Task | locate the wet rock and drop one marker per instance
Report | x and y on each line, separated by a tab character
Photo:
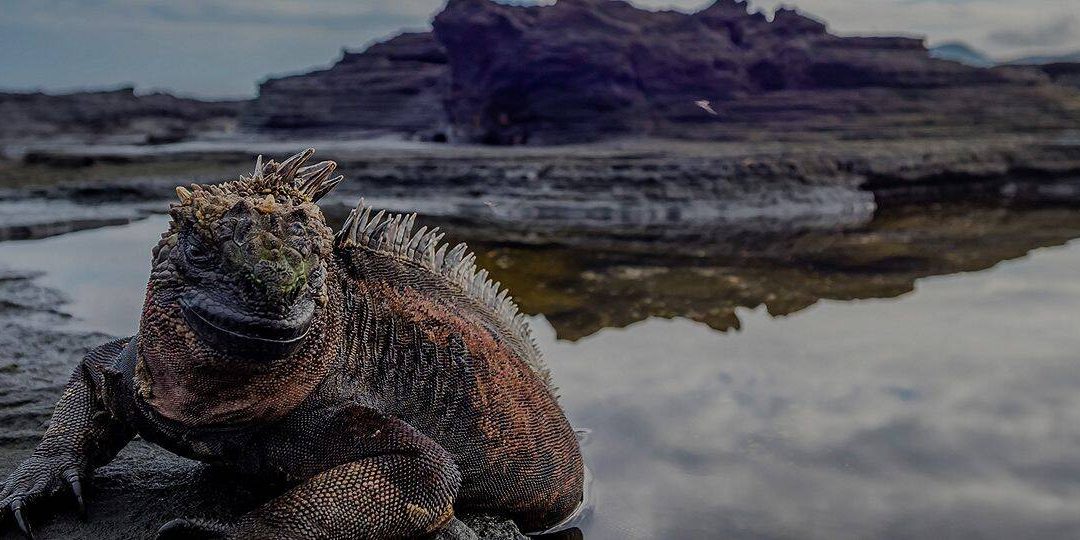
720	194
646	191
39	212
47	200
25	220
492	528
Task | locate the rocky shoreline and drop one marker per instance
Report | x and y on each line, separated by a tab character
779	225
736	163
630	191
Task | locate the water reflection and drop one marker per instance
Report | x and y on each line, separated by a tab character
950	411
581	290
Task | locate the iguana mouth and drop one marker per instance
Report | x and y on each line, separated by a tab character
243	334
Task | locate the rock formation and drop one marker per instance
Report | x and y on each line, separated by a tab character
155	117
590	68
583	70
1064	73
395	85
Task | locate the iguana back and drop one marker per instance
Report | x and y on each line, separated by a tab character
445	349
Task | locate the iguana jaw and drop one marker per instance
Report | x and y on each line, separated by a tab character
241	334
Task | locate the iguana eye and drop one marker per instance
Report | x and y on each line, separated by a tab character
240	231
196	252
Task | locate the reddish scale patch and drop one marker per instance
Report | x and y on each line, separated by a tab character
531	463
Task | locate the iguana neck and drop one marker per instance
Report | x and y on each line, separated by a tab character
180	379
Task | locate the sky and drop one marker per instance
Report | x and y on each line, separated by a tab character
223	48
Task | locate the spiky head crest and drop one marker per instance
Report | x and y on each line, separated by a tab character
290	178
271	183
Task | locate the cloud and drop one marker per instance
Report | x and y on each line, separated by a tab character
1051	34
204	48
323	15
218	47
970	21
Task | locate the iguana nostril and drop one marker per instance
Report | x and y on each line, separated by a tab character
280	276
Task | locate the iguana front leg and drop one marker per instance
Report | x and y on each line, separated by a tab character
365	475
81	436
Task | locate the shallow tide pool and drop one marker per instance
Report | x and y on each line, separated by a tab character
870	409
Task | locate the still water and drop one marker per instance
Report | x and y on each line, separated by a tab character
917	378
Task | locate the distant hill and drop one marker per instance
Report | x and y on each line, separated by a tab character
1063	69
961	52
958	51
1046	59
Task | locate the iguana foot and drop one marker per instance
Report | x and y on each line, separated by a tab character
191	529
39	477
205	529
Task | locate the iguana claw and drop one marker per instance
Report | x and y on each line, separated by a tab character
20	518
75	484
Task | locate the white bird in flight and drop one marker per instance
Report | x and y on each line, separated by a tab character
704	104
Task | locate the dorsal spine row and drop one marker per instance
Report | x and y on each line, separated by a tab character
393	234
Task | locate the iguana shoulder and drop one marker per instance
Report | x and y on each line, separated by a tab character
387	250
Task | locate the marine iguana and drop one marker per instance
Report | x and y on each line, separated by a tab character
376	372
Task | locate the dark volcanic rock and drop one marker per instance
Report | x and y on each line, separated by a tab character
394	85
590	69
583	69
156	117
1066	73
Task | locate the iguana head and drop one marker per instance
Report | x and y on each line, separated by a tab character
241	271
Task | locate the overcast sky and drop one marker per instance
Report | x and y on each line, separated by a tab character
223	48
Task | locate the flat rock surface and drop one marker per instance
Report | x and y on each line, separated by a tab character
629	190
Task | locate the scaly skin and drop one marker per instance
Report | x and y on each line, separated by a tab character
381	378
